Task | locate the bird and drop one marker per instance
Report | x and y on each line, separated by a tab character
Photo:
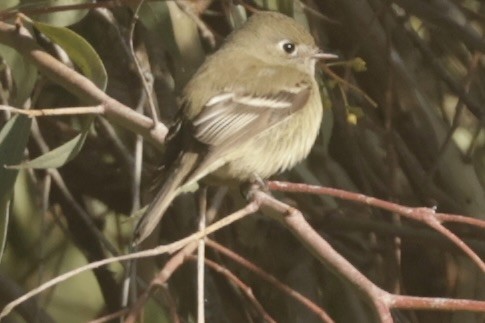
253	109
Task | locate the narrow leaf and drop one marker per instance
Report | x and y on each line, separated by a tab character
79	50
13	139
58	18
60	155
24	75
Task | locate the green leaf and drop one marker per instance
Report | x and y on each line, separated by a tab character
4	219
57	18
155	17
13	139
79	50
8	4
24	74
166	22
237	16
62	154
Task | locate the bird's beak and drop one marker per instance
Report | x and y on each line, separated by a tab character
322	55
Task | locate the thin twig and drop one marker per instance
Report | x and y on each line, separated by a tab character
159	280
170	248
473	105
459	108
110	317
20	39
318	14
123	150
138	162
68	111
271	279
242	286
337	78
207	34
382	301
294	220
61	184
425	215
146	79
216	203
436	303
201	257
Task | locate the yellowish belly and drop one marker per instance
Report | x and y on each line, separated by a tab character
276	149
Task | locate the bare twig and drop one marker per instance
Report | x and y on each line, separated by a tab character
242	286
271	279
425	215
459	108
382	302
318	14
60	183
293	220
170	267
22	41
145	77
201	257
207	34
68	111
473	105
249	209
346	83
110	317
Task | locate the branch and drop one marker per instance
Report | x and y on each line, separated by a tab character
189	8
293	220
381	301
170	248
241	285
159	280
68	111
271	279
424	215
22	41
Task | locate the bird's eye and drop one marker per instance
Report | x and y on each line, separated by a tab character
288	47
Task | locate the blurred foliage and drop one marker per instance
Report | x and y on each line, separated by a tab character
421	61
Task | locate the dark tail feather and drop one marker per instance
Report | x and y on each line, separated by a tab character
170	189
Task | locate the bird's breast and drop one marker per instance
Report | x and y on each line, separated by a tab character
276	149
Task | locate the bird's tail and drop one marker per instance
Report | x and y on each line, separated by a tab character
170	189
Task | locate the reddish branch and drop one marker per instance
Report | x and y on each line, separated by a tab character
421	214
270	279
159	280
242	286
381	301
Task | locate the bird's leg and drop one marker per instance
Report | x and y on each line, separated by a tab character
254	183
256	180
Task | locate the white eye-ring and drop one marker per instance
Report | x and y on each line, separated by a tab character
288	47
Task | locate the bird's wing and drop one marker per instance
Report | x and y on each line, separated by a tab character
230	119
230	116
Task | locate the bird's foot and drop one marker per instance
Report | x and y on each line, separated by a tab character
255	183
